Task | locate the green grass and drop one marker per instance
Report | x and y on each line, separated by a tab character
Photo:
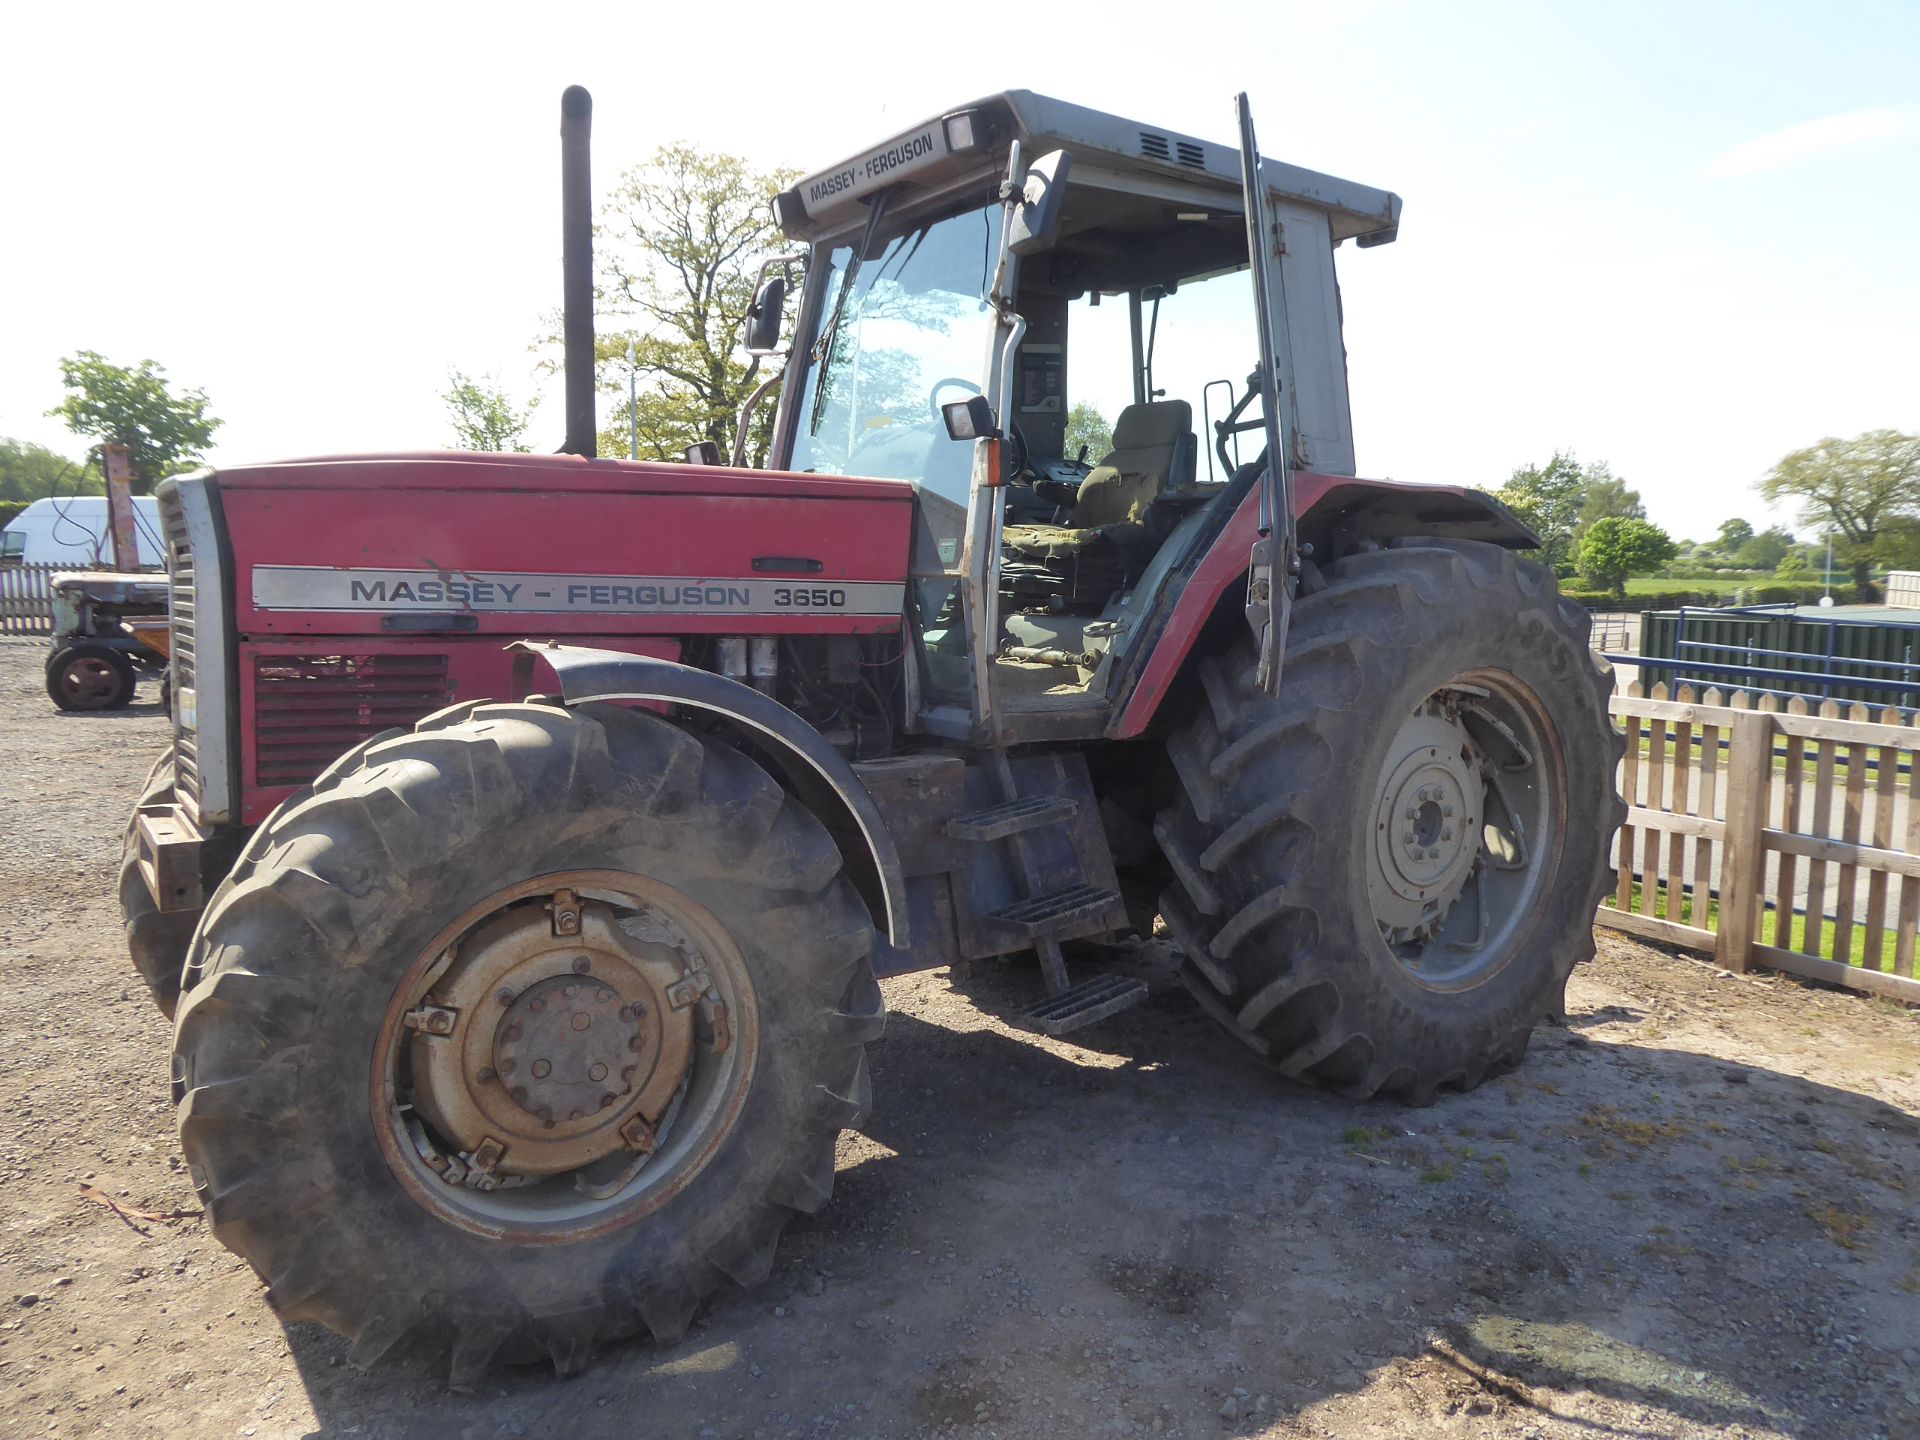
1706	584
1685	909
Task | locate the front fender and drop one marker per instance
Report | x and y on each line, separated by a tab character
805	759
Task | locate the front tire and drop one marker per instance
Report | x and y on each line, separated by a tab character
431	903
1383	875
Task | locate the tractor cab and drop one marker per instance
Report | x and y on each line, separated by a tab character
1043	317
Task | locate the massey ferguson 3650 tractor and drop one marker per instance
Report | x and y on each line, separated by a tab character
536	828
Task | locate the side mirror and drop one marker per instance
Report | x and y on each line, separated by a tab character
1036	221
762	329
970	419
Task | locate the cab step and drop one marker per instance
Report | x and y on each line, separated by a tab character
1056	911
1094	998
1012	817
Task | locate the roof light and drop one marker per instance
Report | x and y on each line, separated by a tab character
962	132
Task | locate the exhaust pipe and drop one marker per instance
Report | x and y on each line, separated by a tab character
576	240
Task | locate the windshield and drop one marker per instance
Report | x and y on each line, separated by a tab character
908	335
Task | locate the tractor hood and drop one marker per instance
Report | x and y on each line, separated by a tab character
559	545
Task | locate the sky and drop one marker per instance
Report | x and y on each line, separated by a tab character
1677	238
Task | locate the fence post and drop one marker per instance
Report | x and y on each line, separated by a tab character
1743	858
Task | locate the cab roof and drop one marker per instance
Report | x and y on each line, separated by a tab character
974	137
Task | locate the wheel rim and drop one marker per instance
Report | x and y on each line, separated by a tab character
565	1056
89	682
1466	826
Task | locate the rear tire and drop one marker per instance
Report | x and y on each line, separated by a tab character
1297	941
358	882
156	939
87	675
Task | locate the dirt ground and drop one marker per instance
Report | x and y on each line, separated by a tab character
1689	1214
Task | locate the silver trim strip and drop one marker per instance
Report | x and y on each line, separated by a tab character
514	592
213	674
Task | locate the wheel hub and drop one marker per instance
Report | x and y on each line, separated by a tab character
1427	820
552	1040
89	680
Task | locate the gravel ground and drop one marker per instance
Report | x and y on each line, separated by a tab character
1689	1214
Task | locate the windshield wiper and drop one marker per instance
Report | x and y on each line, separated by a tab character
823	347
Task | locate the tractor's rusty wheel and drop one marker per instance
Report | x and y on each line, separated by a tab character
1383	875
87	675
523	1032
564	1054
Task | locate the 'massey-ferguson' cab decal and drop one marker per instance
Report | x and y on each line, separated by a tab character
322	588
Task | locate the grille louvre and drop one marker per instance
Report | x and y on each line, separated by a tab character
180	614
1192	155
1154	147
311	709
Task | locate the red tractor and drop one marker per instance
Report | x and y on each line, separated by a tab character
536	828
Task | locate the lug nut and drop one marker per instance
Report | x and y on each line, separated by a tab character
1447	810
1446	834
581	965
542	1069
537	1004
504	996
597	1072
581	1020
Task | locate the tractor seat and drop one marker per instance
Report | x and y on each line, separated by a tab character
1153	449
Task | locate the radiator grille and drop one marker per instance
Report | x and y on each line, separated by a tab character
311	709
180	613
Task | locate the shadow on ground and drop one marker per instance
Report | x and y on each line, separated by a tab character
1146	1234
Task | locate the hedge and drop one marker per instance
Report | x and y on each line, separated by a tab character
1749	595
9	509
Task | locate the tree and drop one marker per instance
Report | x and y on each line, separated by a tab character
680	241
1733	534
30	472
1616	546
164	433
1855	488
1551	499
1795	565
1087	426
1765	550
1603	495
482	415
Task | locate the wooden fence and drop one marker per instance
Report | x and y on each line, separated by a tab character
26	598
1786	833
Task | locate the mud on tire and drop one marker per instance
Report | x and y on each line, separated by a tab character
303	951
1270	832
